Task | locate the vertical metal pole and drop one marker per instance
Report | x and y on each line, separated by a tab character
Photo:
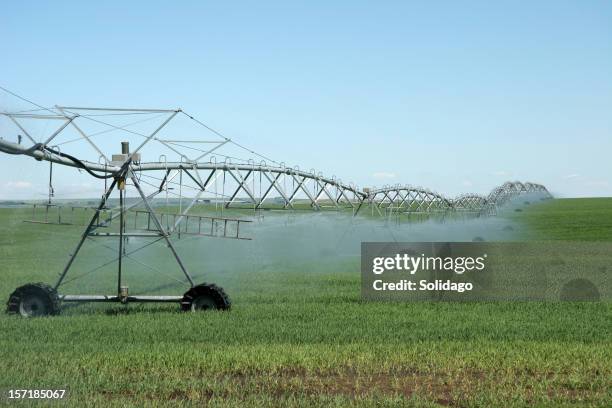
180	199
121	228
105	164
50	181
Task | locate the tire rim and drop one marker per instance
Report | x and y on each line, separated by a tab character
203	303
32	306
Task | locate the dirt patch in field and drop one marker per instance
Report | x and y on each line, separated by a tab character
444	388
455	388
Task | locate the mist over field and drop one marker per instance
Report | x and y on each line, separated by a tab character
315	236
302	242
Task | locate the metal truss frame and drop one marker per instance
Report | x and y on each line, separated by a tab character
312	190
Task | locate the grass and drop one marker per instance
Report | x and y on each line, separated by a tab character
301	338
572	219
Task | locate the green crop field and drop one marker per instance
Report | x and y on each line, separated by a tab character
573	219
299	335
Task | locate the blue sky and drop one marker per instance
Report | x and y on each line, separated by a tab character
456	96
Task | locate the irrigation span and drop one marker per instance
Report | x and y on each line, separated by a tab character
196	163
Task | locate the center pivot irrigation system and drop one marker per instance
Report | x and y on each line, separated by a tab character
190	171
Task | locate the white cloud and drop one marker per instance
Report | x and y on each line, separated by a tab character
501	173
571	176
467	183
382	175
22	185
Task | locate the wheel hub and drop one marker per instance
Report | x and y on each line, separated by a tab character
32	306
203	303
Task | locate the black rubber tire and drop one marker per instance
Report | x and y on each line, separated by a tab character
34	300
206	296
